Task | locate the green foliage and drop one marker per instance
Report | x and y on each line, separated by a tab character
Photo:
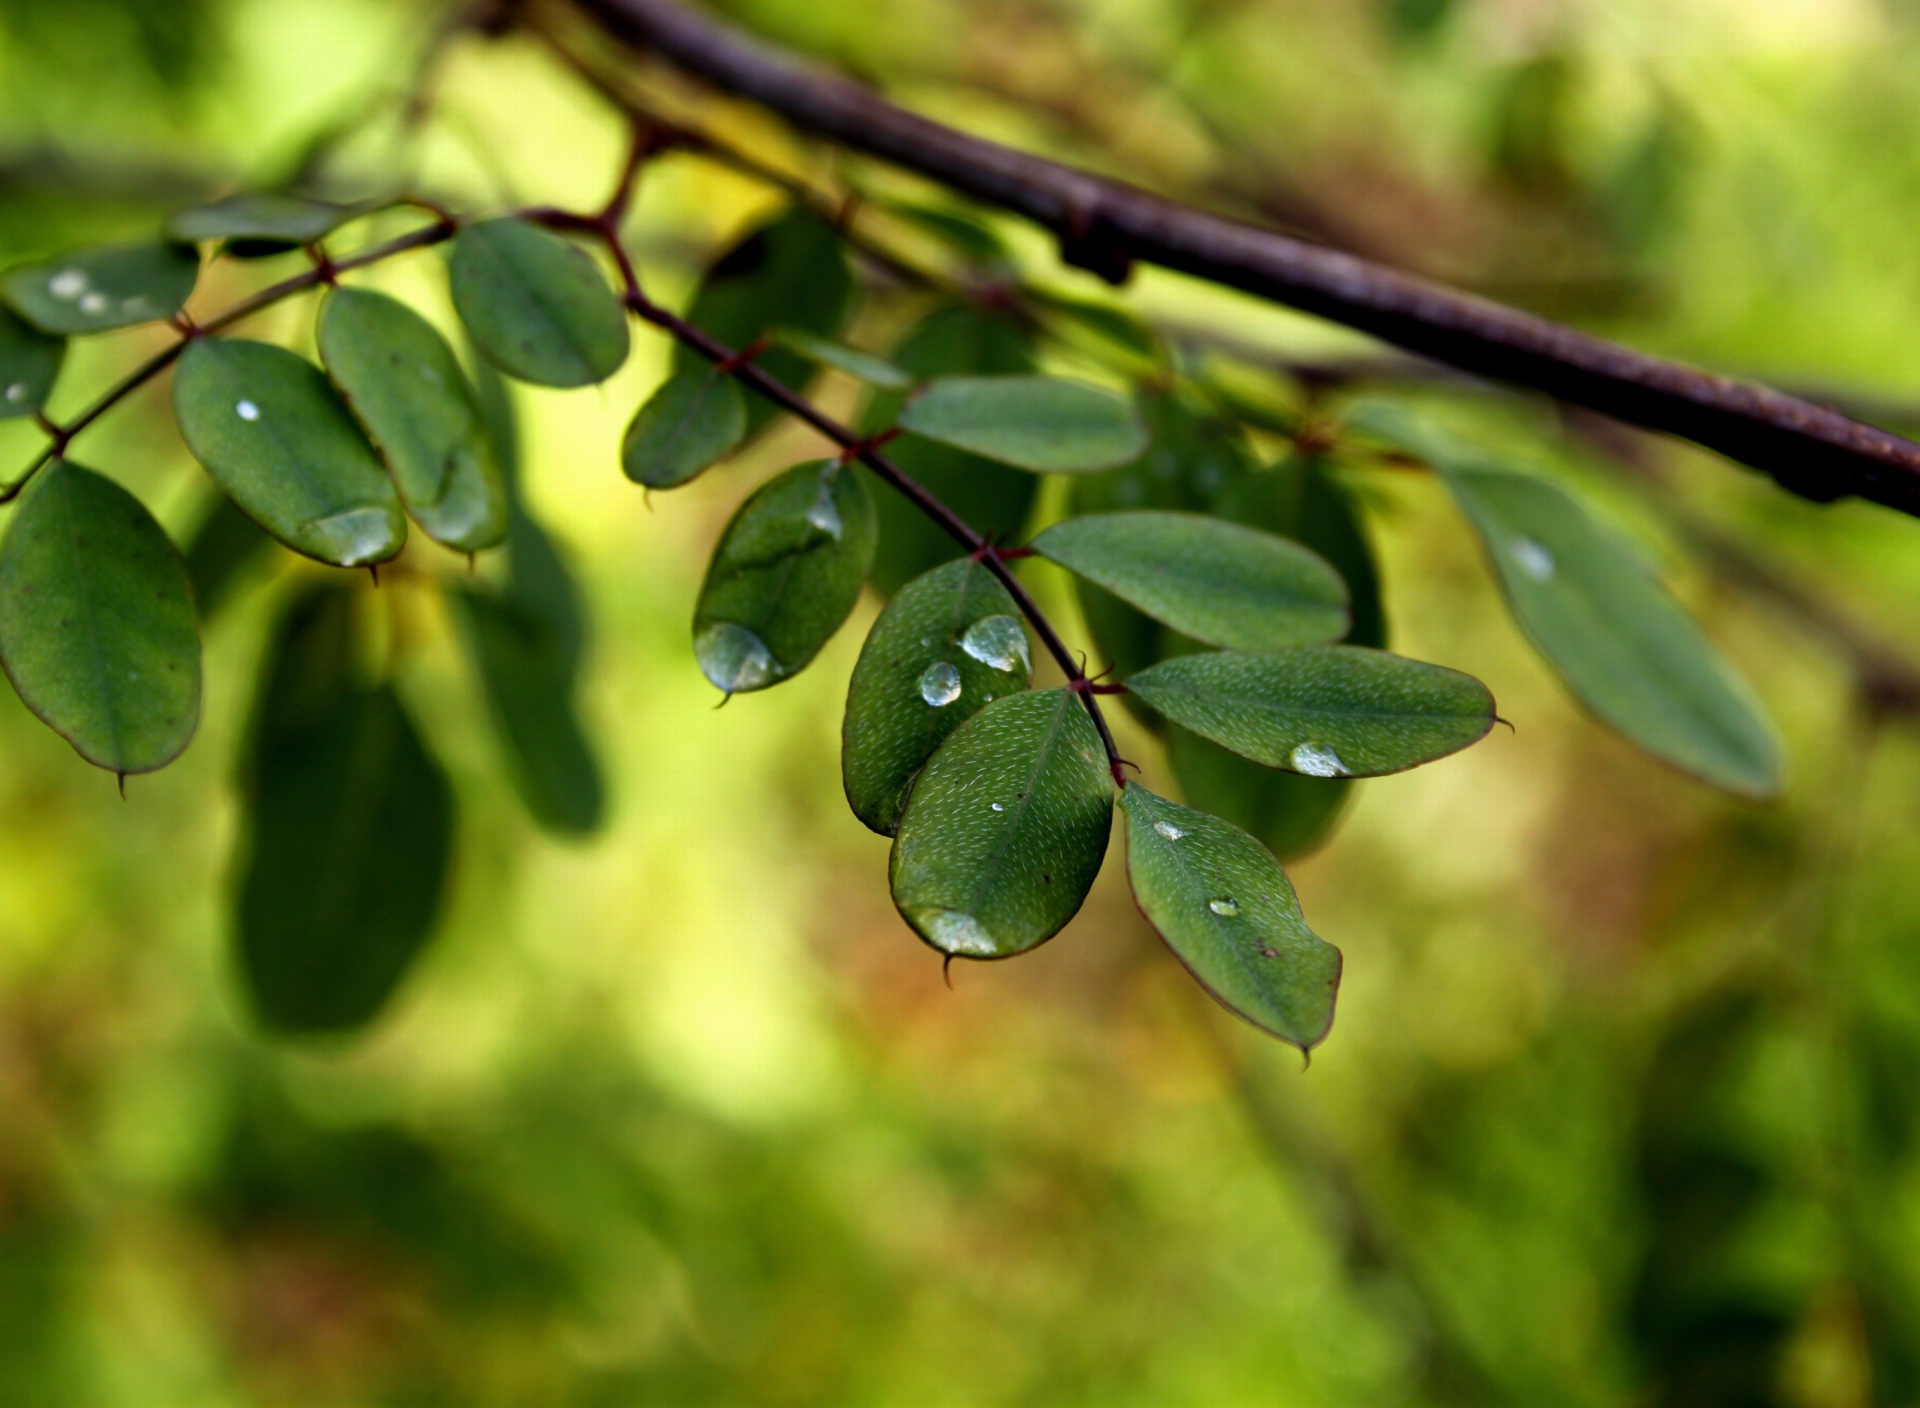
224	545
1326	711
349	835
98	290
29	363
1005	828
1035	423
407	390
253	223
1217	582
537	306
784	578
1229	913
862	366
274	434
949	644
96	622
694	419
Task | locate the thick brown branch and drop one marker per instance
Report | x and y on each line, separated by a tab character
1813	451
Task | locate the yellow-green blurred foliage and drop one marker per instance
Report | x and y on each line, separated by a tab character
1620	1105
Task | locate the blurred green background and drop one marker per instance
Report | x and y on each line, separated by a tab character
1620	1107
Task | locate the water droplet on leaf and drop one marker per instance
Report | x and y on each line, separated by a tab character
998	641
1224	907
734	658
93	304
954	931
1168	830
1317	760
246	410
997	807
17	392
68	284
940	684
1534	559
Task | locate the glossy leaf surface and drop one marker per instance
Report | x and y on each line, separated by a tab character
29	364
996	500
537	306
1005	828
265	217
791	272
1625	648
273	433
696	418
1217	582
788	569
1326	711
528	682
948	644
97	629
97	290
349	832
1228	912
408	391
1037	423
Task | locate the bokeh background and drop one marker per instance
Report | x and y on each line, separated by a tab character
1620	1106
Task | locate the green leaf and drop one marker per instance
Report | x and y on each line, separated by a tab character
1216	582
262	218
695	419
1035	423
349	832
97	290
948	644
29	363
1005	828
791	272
787	572
273	433
1326	711
224	545
1301	500
862	366
996	500
1289	813
1110	324
1228	912
96	621
962	233
1625	648
528	681
537	306
405	386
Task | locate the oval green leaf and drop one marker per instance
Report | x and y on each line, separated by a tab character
528	681
1626	649
787	572
694	420
1325	711
29	364
97	630
1005	828
1217	582
537	306
1036	423
349	832
948	645
97	290
862	366
274	434
1228	912
791	272
996	500
407	389
262	217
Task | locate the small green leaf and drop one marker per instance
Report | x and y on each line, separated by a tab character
790	272
1005	828
528	681
262	217
695	419
1326	711
996	500
96	621
1110	324
1035	423
786	574
1217	582
960	232
862	366
948	645
405	386
29	363
537	306
97	290
349	832
273	433
1228	912
224	545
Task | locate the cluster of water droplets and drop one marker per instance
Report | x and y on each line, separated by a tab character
1317	760
73	286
